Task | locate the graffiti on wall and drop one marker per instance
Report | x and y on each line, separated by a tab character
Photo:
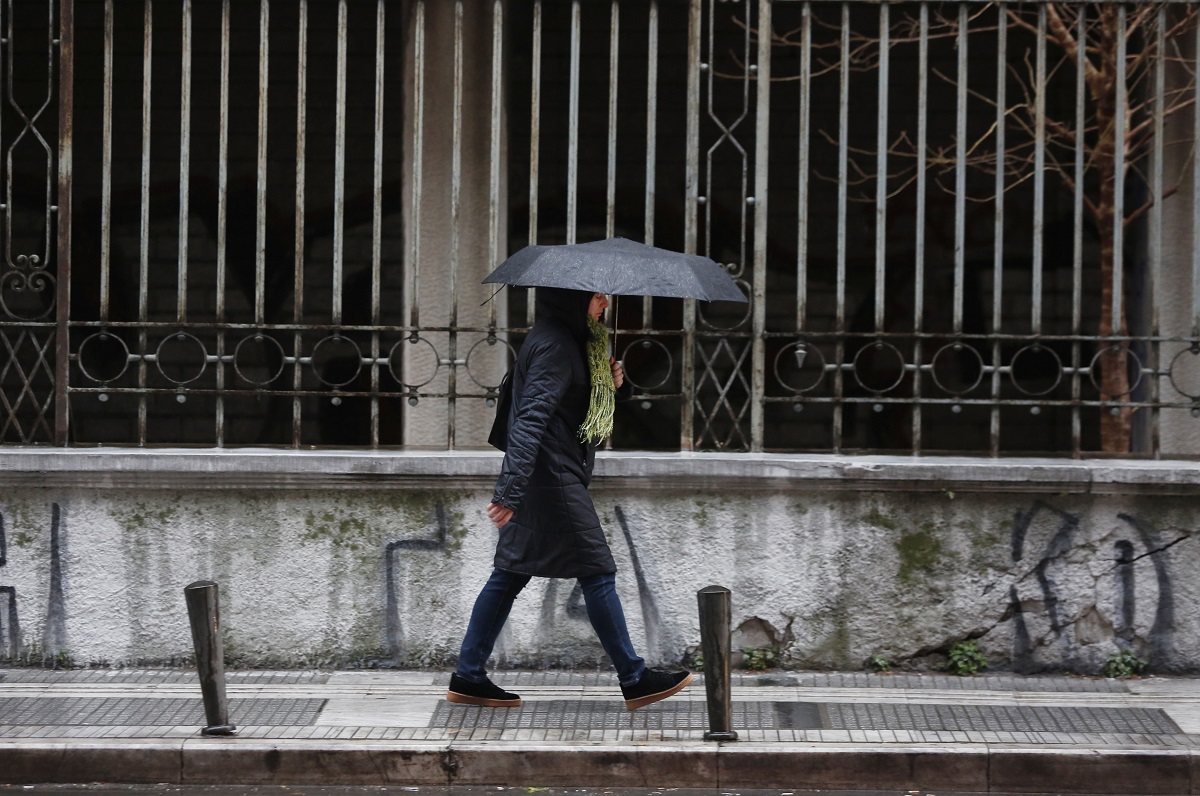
554	608
54	634
394	626
1073	594
10	623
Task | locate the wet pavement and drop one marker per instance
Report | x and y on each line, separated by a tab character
894	734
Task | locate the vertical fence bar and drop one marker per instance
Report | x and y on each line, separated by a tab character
1118	281
573	126
535	129
1039	165
1156	222
843	158
803	157
919	231
185	151
651	139
339	165
1077	259
66	165
881	161
299	251
614	41
377	220
144	220
1196	207
960	168
106	164
260	248
762	155
494	146
222	212
998	227
687	369
418	168
455	210
747	200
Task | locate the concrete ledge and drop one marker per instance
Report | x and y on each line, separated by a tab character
211	761
1166	771
854	767
969	767
566	765
261	468
125	761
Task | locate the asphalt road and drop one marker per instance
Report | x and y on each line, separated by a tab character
287	790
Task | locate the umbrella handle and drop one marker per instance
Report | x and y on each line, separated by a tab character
489	298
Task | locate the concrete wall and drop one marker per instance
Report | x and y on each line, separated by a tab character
444	299
375	559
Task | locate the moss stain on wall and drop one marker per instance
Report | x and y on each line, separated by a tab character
28	516
880	520
919	552
140	517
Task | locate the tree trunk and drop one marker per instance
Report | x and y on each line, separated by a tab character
1113	359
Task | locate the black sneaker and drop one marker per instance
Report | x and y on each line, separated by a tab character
654	685
486	694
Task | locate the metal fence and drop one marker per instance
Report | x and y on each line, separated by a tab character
264	223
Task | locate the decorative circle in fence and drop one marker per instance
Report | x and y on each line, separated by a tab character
722	323
1029	363
644	346
181	358
336	360
955	361
1184	372
258	359
490	341
803	359
395	361
871	364
103	357
1112	357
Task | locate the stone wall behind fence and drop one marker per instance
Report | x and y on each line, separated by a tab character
374	559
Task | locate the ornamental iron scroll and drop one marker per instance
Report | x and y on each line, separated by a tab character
29	157
28	177
27	290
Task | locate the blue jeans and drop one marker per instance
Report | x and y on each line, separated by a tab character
496	599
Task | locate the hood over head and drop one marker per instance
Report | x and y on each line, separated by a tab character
568	307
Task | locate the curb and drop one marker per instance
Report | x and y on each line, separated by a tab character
964	767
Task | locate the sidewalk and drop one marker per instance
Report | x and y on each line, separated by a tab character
998	733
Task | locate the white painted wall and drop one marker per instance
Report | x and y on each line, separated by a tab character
1178	429
375	559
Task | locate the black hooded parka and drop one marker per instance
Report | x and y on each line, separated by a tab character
554	531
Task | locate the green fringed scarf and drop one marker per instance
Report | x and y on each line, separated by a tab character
598	423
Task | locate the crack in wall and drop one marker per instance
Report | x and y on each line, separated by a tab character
1156	551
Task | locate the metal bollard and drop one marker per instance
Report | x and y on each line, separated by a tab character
204	615
715	619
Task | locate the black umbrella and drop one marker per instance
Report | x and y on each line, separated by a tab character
619	267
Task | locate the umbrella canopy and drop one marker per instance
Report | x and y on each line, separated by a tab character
618	266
